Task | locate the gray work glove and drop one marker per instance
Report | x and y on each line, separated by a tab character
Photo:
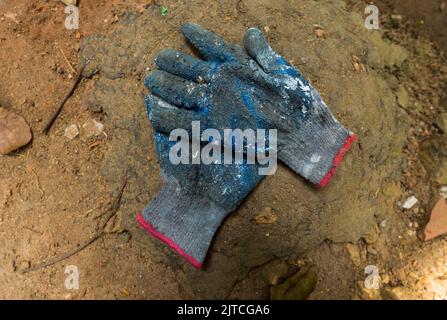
251	87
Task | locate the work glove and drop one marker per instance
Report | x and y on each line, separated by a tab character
251	87
195	198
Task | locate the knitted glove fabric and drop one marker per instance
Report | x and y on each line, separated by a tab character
249	87
194	199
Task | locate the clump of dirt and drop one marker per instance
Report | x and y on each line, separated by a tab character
306	217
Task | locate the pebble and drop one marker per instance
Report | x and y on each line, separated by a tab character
354	253
92	128
14	131
443	192
409	202
372	235
411	233
71	132
372	250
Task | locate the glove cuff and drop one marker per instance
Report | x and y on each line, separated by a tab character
337	160
183	220
316	157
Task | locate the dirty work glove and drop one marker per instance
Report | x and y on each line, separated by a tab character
194	199
251	87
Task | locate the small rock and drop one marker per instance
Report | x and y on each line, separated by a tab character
372	235
411	233
92	128
267	216
372	250
71	132
384	223
359	67
437	225
14	132
409	202
354	253
443	192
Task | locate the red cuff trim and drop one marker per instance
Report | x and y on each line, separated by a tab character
337	159
157	234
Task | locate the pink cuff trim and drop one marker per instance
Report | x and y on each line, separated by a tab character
157	234
337	159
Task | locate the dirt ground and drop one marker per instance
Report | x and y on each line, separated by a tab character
54	192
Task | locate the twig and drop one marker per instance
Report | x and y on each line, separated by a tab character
38	183
67	61
87	213
98	234
61	105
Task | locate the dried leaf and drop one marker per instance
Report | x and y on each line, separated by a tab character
358	65
297	287
437	225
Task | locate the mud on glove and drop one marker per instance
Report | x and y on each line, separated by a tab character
250	87
194	199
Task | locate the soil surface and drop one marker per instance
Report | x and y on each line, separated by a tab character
385	85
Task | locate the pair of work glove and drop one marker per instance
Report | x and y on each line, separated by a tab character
249	87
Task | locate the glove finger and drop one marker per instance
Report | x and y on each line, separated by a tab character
185	66
176	90
209	44
259	49
166	117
